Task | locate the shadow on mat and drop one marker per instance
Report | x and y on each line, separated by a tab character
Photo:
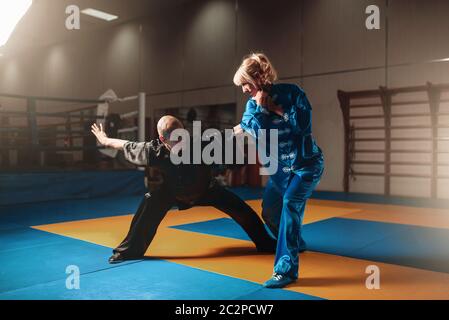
219	253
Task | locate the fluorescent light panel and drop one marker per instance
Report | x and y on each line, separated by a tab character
99	14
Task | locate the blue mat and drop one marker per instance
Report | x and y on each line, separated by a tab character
18	188
39	213
68	210
154	280
8	225
223	227
34	264
381	199
249	193
413	246
30	257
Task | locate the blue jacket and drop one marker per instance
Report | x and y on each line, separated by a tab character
297	149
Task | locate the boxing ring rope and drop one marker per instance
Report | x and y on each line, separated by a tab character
33	135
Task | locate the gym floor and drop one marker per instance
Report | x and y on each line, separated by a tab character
201	254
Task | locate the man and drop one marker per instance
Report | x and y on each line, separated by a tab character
185	185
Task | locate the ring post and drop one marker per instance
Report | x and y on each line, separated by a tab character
141	132
141	121
32	123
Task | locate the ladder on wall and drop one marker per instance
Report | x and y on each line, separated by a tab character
397	141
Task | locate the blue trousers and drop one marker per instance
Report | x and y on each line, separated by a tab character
283	213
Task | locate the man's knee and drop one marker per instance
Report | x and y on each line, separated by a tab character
156	201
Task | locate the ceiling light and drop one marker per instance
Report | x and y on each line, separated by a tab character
99	14
10	14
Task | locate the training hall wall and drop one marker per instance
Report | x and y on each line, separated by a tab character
187	57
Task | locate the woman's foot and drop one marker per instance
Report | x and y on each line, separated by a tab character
278	281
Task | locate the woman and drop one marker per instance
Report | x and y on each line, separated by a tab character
283	107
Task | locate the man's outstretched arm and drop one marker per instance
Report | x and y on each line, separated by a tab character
105	141
138	153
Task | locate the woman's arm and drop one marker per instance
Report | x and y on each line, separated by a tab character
254	118
303	114
258	110
105	141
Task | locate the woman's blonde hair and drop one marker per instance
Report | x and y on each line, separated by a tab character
256	69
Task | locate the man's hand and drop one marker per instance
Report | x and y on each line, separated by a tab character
238	130
105	141
273	107
100	134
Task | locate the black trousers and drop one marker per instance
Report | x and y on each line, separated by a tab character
155	206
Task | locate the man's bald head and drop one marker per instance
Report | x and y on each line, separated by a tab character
167	125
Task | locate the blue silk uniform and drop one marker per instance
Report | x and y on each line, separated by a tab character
300	166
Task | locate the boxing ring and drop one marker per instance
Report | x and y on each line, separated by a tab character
46	145
37	133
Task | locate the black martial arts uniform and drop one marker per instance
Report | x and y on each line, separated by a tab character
184	185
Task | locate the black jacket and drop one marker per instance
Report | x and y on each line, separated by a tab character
187	182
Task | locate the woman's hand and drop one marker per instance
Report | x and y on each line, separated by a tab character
263	99
100	134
